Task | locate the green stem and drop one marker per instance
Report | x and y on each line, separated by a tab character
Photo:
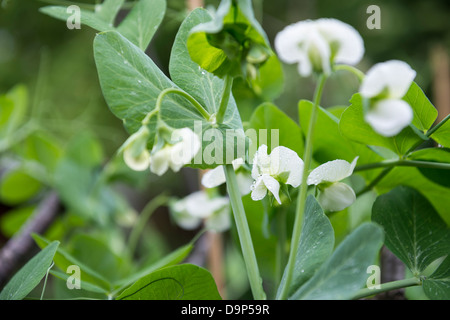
403	163
187	96
436	127
281	244
358	73
380	177
244	234
140	224
301	201
366	292
225	98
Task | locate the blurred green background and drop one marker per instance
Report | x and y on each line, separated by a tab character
57	66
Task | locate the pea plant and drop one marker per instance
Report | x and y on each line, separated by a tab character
310	201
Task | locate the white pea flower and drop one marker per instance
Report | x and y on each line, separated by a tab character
216	177
385	85
334	195
318	44
282	166
176	155
135	153
198	207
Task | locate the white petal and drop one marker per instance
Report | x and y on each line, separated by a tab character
237	163
219	221
259	189
139	163
286	165
336	197
182	218
183	151
331	171
287	41
160	161
273	186
389	117
349	41
394	76
261	162
214	177
198	204
244	181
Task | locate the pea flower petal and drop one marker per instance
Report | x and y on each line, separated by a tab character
334	195
390	80
176	155
282	166
317	44
388	117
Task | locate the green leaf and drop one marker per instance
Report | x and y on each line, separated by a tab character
97	255
83	284
189	76
173	258
344	273
224	45
12	221
424	112
354	127
415	232
63	260
87	17
30	275
278	125
182	282
141	23
442	135
42	148
13	108
316	244
17	186
107	11
437	286
442	155
131	83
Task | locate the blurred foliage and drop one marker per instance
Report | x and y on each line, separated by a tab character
57	66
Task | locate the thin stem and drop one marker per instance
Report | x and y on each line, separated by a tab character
377	180
225	98
281	244
366	292
358	73
301	202
436	127
165	92
403	163
140	224
244	234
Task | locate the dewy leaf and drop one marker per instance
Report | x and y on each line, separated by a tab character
344	273
414	231
269	122
131	84
437	286
316	244
182	282
141	23
424	112
30	275
353	126
189	76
